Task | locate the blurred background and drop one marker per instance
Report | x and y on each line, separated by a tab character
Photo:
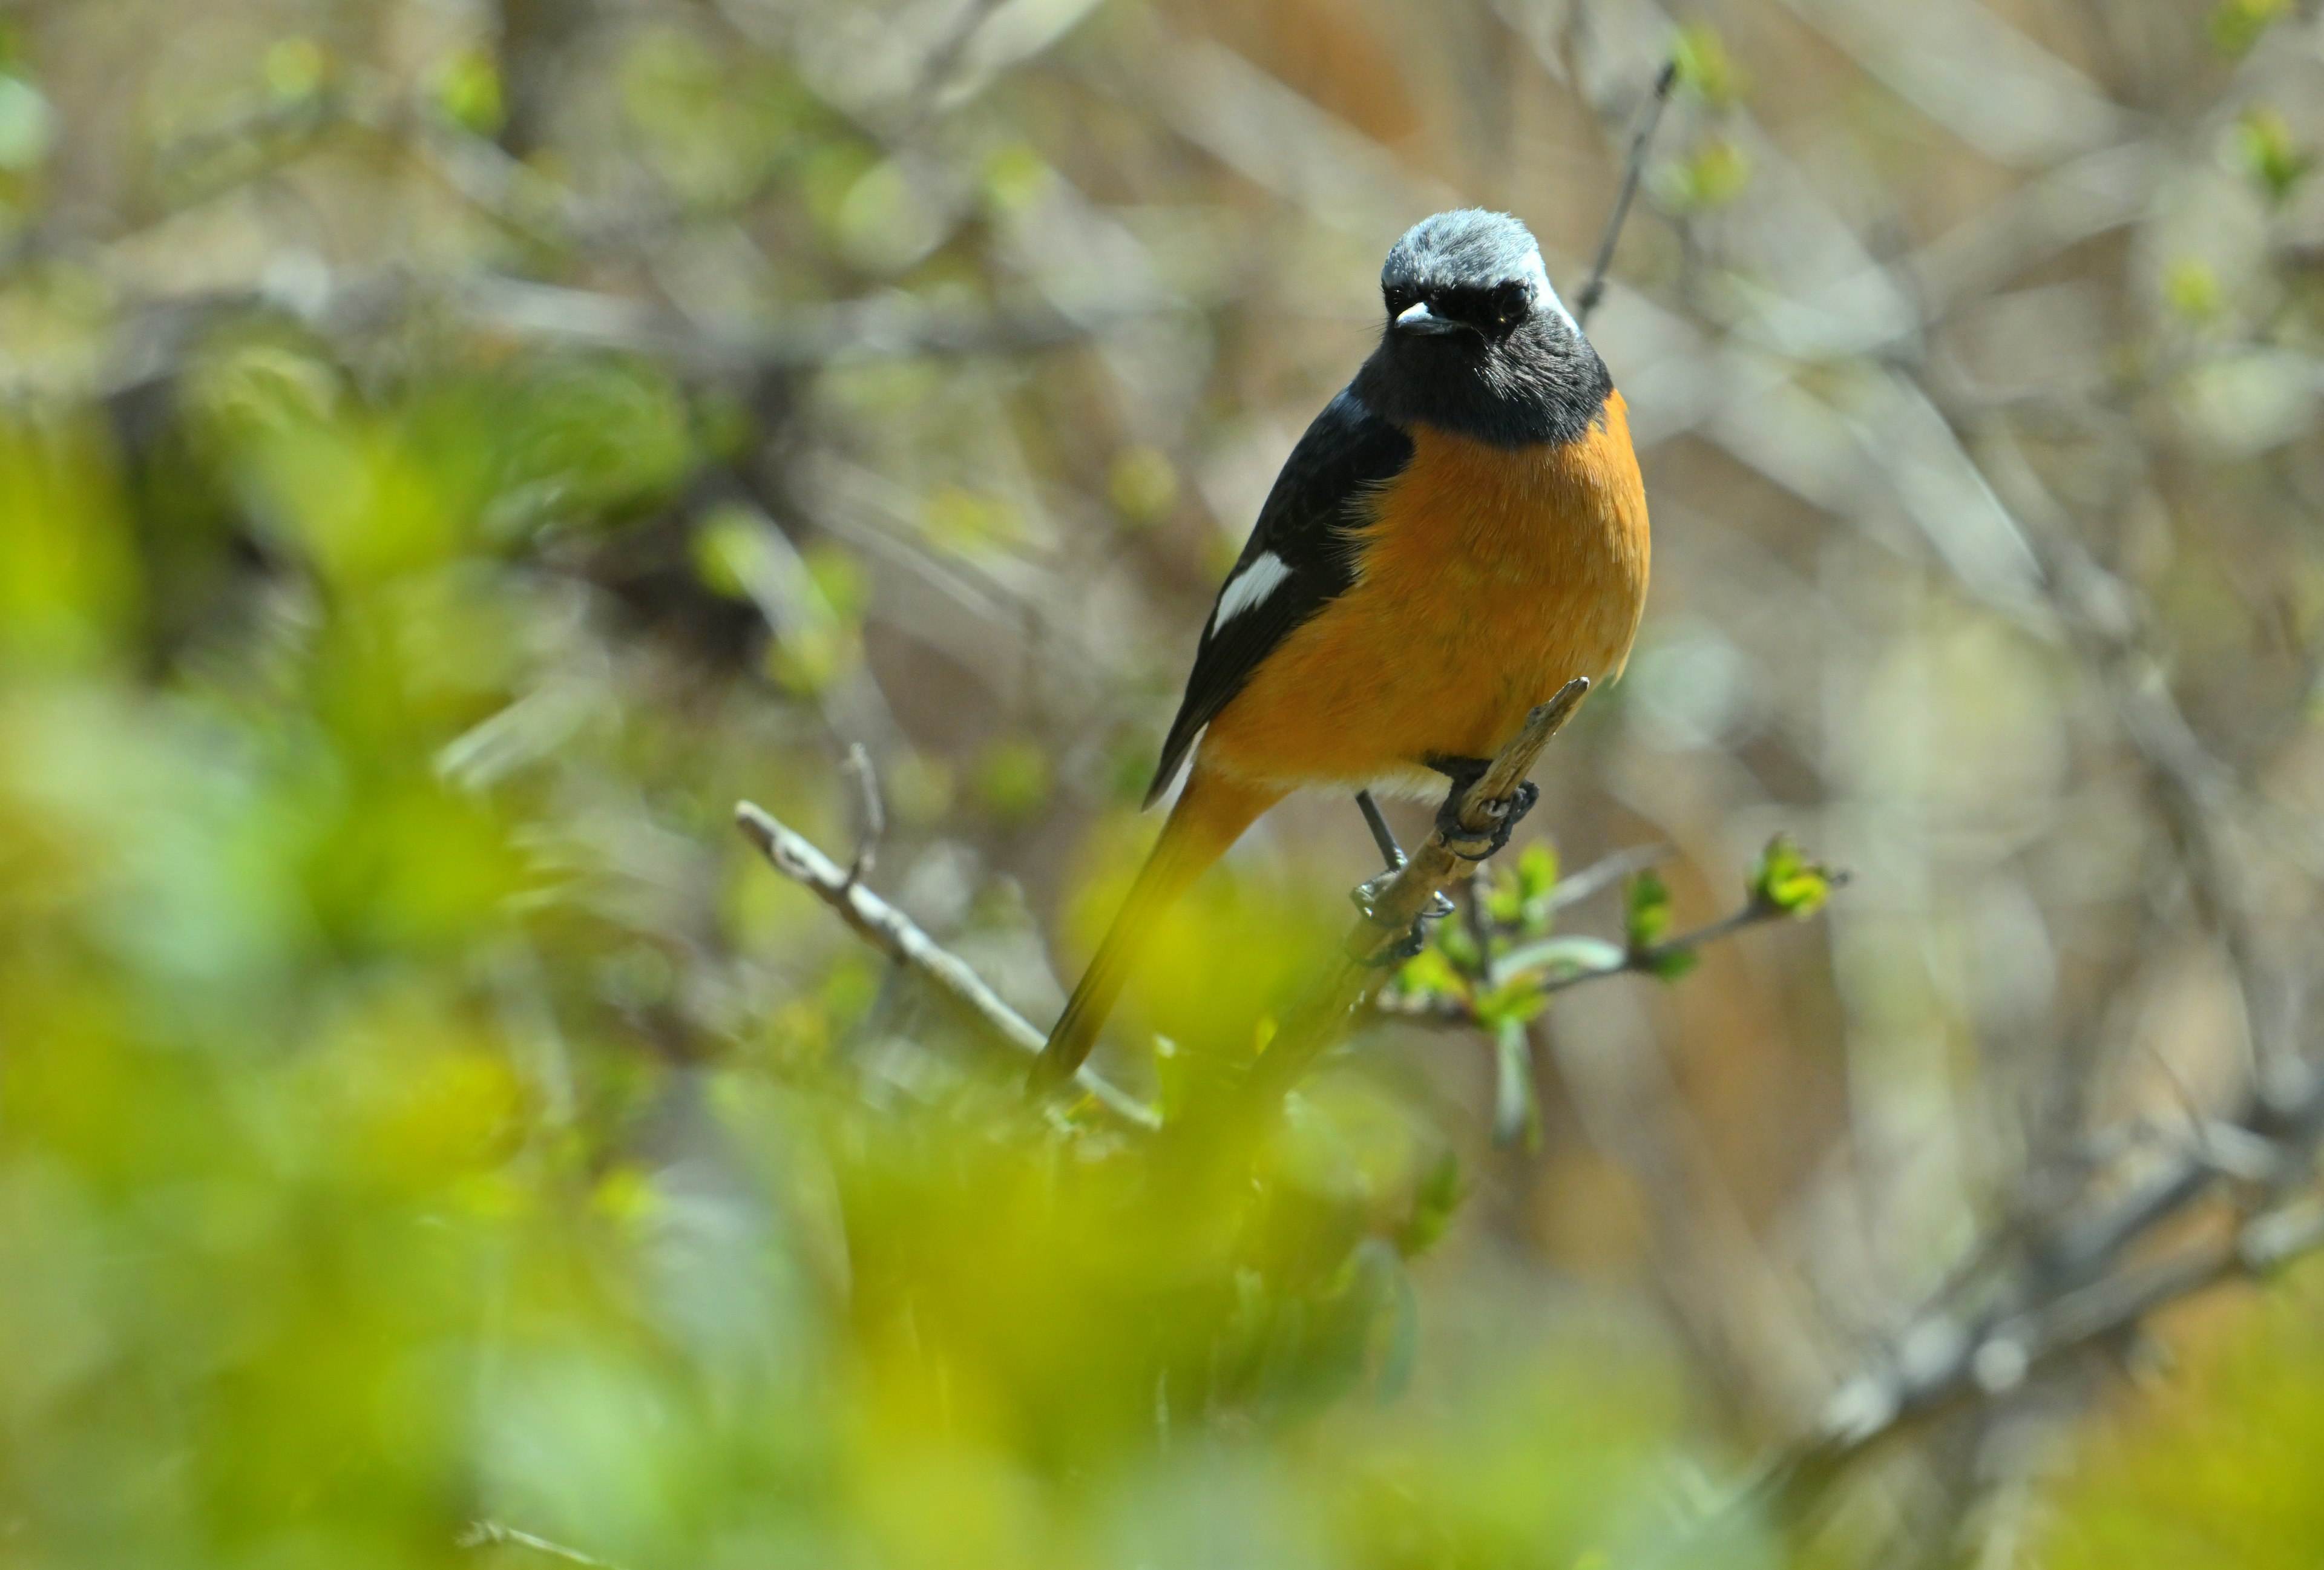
450	450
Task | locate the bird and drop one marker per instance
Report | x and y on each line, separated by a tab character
1460	531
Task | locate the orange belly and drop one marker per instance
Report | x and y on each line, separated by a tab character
1487	580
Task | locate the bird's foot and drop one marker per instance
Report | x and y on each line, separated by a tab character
1507	814
1366	896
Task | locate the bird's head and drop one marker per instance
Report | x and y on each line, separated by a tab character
1477	342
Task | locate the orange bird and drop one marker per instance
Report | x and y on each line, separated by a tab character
1461	533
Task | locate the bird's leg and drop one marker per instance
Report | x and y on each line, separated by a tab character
1382	834
1464	772
1416	940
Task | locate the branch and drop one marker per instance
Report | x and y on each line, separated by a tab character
1649	959
1393	906
901	938
492	1534
150	344
809	336
872	813
1587	301
1996	1359
2070	1298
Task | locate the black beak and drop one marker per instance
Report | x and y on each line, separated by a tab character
1419	318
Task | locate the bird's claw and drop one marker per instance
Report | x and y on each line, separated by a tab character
1366	895
1507	815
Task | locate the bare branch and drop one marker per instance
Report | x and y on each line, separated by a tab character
492	1535
901	938
150	343
1605	870
2069	1298
872	820
1996	1361
1587	301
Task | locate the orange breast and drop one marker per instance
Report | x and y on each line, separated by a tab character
1487	580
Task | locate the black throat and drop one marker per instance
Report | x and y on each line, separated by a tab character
1541	383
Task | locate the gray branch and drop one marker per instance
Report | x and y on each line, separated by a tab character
901	938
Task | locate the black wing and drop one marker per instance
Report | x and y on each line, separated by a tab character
1308	526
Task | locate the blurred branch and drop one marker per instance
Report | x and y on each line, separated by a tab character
150	344
2199	798
901	938
871	823
494	1534
936	72
2069	1297
1394	904
1605	870
1653	958
1587	301
879	328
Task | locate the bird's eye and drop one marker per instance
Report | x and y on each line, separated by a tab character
1399	299
1508	304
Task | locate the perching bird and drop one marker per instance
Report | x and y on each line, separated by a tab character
1460	532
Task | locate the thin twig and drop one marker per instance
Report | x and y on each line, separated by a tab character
1587	301
901	938
1454	1011
1997	1359
1415	890
492	1534
2071	1297
1605	870
872	814
150	343
1652	957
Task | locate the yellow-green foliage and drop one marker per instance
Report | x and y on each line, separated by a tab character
2217	1468
417	1108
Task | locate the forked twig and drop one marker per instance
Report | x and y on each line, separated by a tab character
901	938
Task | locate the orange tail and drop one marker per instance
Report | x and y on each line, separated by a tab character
1211	814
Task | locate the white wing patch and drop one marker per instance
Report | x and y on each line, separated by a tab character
1249	587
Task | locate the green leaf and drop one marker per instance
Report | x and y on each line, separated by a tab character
1704	68
2190	288
1518	895
1785	880
2236	24
1711	175
1536	882
1433	1201
1505	901
2264	147
1673	964
1430	974
1459	948
468	92
1510	1004
1647	916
